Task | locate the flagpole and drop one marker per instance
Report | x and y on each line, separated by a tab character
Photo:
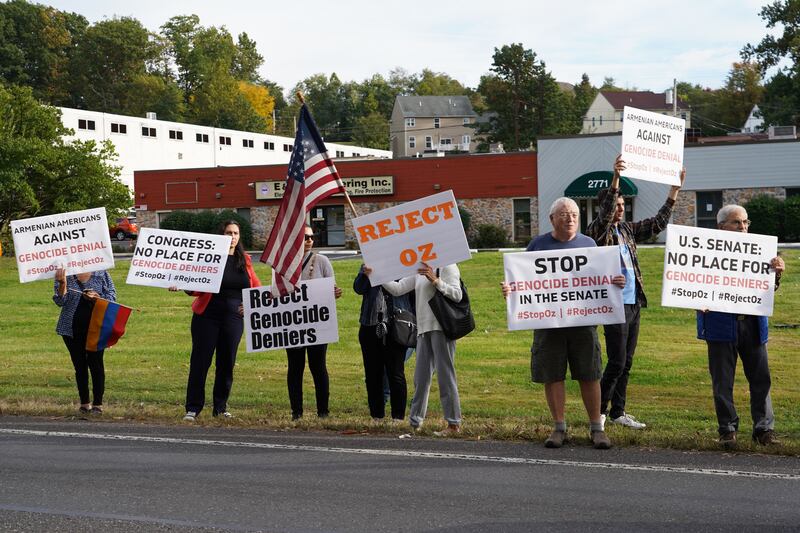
106	299
346	196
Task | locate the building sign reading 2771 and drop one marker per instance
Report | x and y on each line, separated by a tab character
366	186
597	184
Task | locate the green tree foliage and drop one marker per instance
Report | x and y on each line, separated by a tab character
41	174
585	94
372	131
791	219
208	222
741	92
766	212
780	105
438	84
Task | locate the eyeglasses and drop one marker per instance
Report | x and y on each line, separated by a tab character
743	223
309	237
565	216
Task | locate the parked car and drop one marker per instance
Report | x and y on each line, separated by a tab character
124	228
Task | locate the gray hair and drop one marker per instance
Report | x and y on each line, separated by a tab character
726	211
563	201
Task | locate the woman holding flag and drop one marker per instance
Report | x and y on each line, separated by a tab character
77	295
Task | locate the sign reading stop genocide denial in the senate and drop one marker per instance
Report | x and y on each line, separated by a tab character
719	270
652	146
77	241
182	259
396	240
304	317
563	288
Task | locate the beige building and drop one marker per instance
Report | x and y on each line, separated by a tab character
605	113
433	124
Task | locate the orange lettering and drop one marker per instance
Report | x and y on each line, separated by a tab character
383	227
366	233
408	257
447	209
427	252
413	220
428	215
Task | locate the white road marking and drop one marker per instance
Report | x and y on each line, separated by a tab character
407	454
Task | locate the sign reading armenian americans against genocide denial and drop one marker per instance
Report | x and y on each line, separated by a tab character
182	259
77	241
652	146
396	240
563	288
719	270
301	318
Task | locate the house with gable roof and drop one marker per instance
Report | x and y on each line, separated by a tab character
432	124
605	113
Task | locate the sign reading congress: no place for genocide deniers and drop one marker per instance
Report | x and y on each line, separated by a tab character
652	146
719	270
304	317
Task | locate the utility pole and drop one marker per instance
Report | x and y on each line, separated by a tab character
674	97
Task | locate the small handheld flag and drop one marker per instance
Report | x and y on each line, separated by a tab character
107	324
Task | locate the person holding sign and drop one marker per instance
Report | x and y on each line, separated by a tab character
383	357
434	350
609	228
314	266
76	295
728	335
217	326
555	348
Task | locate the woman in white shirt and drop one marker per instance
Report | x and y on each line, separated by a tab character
434	350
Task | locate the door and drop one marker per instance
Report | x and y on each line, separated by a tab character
708	203
328	224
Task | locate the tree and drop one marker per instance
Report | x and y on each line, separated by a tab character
41	174
438	84
742	91
372	131
260	100
585	94
781	102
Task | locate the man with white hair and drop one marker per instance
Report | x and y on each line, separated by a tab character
553	349
728	335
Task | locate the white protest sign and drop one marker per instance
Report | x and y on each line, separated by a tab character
563	288
182	259
719	270
396	240
652	146
304	317
77	241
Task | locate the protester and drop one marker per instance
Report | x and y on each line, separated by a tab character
554	348
729	334
434	350
382	355
217	325
76	296
610	228
314	266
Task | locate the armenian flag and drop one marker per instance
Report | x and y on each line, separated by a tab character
107	324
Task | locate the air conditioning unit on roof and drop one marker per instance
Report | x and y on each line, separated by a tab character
782	132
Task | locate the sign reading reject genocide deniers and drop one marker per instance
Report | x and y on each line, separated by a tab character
304	317
563	288
719	270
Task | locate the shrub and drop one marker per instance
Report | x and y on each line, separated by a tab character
246	229
178	221
766	212
208	222
490	236
466	218
791	218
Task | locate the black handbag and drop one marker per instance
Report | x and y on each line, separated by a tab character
403	328
455	318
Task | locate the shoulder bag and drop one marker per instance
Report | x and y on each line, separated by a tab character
455	318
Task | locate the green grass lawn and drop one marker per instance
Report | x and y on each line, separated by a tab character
146	372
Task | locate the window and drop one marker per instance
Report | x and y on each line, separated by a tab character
446	141
465	139
466	121
287	147
356	154
119	128
85	124
792	192
621	117
269	145
247	143
176	135
201	137
244	212
412	142
148	132
339	153
428	142
601	120
683	116
224	140
593	124
436	122
522	220
708	203
411	122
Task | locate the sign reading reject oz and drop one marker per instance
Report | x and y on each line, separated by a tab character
396	240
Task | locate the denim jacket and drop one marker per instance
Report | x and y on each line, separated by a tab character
715	326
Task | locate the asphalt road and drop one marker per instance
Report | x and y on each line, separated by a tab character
70	475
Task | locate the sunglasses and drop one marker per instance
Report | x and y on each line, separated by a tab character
309	237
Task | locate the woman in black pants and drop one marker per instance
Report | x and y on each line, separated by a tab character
217	326
314	266
381	354
73	326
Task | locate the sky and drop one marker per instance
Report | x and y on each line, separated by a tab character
641	44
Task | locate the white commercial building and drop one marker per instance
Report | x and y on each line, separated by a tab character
151	144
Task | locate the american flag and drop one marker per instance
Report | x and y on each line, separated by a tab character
311	177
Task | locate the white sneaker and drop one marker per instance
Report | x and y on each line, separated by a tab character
628	421
190	416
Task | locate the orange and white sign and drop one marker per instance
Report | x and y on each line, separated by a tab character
396	240
652	146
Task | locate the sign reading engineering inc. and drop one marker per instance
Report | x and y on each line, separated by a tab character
367	186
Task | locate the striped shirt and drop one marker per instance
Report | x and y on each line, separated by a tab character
100	282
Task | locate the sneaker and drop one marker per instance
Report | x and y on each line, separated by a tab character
97	410
600	440
728	440
224	414
84	410
190	416
451	429
765	438
556	439
628	421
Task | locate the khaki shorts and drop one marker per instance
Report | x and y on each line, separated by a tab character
553	348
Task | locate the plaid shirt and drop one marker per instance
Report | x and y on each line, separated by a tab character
602	231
